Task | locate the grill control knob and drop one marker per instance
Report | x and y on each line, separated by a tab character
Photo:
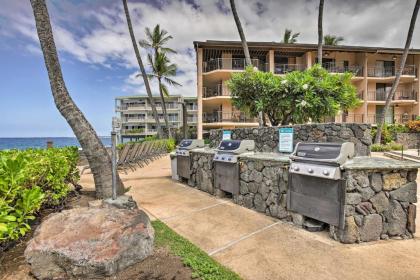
326	172
216	157
310	170
223	158
296	168
229	159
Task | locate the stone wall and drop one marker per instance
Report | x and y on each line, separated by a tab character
263	187
202	171
408	140
266	138
379	205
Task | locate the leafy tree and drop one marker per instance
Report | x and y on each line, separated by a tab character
298	97
332	40
289	37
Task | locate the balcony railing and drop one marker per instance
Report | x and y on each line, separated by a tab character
409	70
399	95
219	90
132	107
286	68
132	131
192	108
231	64
236	116
373	118
192	120
133	119
334	67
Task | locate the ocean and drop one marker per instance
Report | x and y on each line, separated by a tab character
41	142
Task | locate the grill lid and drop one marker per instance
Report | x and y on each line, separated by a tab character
189	144
236	146
332	153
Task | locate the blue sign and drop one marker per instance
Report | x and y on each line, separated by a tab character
286	139
226	135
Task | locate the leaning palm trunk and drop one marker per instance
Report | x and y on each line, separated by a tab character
143	71
165	114
320	37
245	47
398	74
96	154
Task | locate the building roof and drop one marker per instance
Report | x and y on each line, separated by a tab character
309	47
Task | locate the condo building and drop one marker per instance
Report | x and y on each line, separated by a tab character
374	71
135	115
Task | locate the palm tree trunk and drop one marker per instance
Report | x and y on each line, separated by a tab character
143	71
96	154
165	114
320	36
241	33
398	74
245	47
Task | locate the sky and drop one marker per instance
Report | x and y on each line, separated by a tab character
98	61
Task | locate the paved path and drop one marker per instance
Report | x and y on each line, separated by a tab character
259	247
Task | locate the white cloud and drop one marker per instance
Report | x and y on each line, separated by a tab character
95	32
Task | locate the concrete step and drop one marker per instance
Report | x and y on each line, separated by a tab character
397	155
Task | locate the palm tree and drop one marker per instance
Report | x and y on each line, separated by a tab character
163	70
245	47
156	40
332	40
143	71
289	38
398	74
241	33
96	154
320	16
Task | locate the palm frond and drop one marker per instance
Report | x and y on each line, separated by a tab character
164	89
171	82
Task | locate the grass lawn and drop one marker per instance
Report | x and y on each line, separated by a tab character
203	265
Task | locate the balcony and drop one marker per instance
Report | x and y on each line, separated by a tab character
398	96
191	119
334	67
219	90
236	117
133	119
384	72
280	68
373	118
124	107
231	64
134	131
192	107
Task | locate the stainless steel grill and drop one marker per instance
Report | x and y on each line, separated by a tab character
226	167
316	187
183	161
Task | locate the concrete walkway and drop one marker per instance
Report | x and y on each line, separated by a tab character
257	246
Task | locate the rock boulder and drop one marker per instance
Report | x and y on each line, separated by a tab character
89	243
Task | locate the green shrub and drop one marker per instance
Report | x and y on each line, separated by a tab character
30	179
392	146
170	143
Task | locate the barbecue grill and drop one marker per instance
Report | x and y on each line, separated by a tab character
316	187
182	152
226	167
